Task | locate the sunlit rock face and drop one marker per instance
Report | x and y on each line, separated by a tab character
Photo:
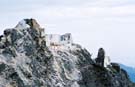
27	61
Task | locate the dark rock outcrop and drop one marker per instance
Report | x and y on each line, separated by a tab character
97	76
100	57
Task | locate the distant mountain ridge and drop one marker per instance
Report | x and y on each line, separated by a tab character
130	71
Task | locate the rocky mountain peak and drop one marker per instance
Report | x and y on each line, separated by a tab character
26	37
28	23
26	61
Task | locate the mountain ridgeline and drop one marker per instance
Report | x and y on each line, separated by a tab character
31	58
130	71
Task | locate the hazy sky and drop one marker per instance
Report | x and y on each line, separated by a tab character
93	23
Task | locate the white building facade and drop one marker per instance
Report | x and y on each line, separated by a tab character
58	40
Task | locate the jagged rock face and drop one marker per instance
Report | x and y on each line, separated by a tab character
20	52
26	61
97	76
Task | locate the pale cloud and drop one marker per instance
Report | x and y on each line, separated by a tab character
81	12
80	8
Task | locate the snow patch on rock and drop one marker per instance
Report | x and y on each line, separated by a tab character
22	25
